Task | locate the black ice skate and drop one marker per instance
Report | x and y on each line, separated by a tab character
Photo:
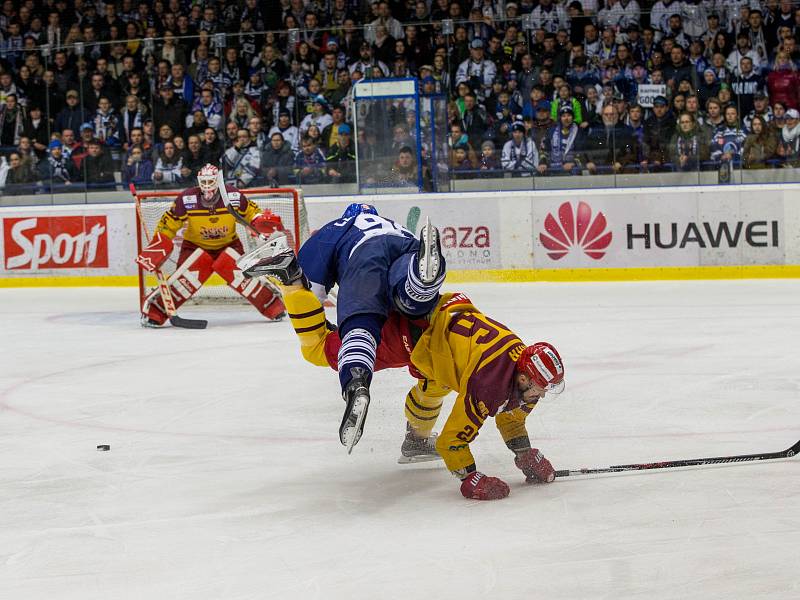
356	394
418	449
430	254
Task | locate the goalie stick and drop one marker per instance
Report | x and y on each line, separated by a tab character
163	286
688	462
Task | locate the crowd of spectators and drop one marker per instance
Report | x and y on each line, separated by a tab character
99	94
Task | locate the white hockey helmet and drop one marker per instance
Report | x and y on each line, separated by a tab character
207	179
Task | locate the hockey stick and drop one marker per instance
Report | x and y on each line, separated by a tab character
689	462
163	286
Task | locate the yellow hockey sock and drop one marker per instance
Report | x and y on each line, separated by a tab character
308	319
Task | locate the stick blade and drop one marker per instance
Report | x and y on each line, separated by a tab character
177	321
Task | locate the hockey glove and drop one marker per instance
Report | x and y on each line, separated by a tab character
266	223
477	486
156	252
536	467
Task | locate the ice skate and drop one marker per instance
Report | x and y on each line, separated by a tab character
356	394
418	449
430	254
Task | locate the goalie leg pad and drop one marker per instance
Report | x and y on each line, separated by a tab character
190	275
266	301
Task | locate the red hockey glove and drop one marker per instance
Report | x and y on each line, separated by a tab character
267	222
478	486
156	252
536	467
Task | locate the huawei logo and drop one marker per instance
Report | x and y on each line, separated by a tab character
575	229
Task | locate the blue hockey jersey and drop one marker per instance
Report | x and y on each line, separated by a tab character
326	256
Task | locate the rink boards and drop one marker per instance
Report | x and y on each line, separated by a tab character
710	232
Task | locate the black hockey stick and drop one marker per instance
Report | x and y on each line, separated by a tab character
689	462
163	286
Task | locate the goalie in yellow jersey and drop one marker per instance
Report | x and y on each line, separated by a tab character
459	349
210	245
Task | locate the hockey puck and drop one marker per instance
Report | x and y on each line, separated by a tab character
103	447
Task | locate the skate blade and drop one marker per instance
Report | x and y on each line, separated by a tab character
275	244
430	262
359	405
410	460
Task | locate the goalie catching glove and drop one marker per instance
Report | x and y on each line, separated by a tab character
535	466
156	252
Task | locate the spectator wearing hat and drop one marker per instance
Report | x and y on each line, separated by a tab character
658	130
505	113
561	145
709	86
541	123
341	157
789	141
72	116
319	115
611	145
81	149
565	98
97	166
169	110
56	169
520	156
761	109
477	71
488	161
367	64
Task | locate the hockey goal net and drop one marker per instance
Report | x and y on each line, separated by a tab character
284	202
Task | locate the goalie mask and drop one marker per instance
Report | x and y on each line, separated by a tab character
207	180
542	363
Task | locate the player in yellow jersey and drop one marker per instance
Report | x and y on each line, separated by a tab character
210	245
459	349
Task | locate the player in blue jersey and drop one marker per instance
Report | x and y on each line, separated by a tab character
379	266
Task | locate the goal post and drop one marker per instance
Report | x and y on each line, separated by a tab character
287	203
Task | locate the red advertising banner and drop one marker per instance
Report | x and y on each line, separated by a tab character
33	243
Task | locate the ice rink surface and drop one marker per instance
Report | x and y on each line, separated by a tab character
226	480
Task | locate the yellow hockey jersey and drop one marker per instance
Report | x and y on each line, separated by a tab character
209	228
474	355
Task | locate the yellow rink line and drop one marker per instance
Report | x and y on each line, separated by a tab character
499	275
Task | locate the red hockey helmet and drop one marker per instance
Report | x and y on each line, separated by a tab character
542	363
